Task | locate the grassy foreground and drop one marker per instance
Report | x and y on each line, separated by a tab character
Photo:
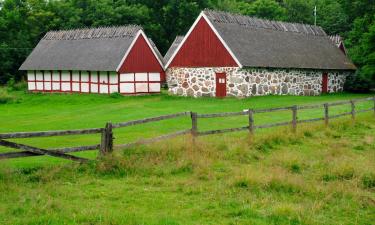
20	111
317	176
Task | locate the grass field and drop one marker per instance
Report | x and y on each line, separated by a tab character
318	176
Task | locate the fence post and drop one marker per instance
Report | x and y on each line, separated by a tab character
294	121
251	121
106	145
326	114
352	103
194	124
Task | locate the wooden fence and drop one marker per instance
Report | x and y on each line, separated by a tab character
106	146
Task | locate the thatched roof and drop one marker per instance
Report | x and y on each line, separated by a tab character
177	41
272	44
98	49
263	43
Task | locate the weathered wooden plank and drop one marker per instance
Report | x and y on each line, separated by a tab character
147	120
225	114
311	106
310	120
294	118
106	144
339	103
41	151
340	115
251	121
363	99
152	140
272	125
352	103
326	114
203	133
272	109
194	123
10	155
76	149
50	133
365	110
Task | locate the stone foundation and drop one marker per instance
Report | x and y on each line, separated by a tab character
199	82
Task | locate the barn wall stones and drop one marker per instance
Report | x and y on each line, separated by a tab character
199	82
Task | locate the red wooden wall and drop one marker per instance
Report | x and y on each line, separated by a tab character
203	49
141	59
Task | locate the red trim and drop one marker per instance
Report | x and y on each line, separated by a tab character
71	81
148	82
89	82
60	81
80	82
35	79
43	80
108	81
135	86
98	82
118	82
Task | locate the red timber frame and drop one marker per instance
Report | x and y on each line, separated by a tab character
90	82
134	82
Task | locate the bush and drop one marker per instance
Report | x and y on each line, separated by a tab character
116	95
5	97
12	85
368	181
358	84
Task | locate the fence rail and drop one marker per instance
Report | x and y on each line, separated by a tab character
107	144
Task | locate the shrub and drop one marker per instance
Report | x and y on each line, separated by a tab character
359	84
5	97
116	95
368	181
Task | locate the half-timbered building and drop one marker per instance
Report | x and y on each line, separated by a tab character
101	60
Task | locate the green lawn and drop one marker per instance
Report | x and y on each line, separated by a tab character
39	112
317	176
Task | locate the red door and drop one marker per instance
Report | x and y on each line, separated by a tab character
221	85
325	83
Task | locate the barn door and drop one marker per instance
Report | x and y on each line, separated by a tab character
221	85
325	83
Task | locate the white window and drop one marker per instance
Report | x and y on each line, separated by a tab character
126	77
84	76
75	76
56	76
84	88
47	75
55	86
47	86
94	88
39	75
30	76
154	87
65	76
104	89
31	86
154	76
141	77
127	88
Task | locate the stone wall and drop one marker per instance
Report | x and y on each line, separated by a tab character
252	82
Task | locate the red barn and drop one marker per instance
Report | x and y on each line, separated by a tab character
226	54
101	60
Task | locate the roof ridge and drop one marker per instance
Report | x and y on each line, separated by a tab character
248	21
93	33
